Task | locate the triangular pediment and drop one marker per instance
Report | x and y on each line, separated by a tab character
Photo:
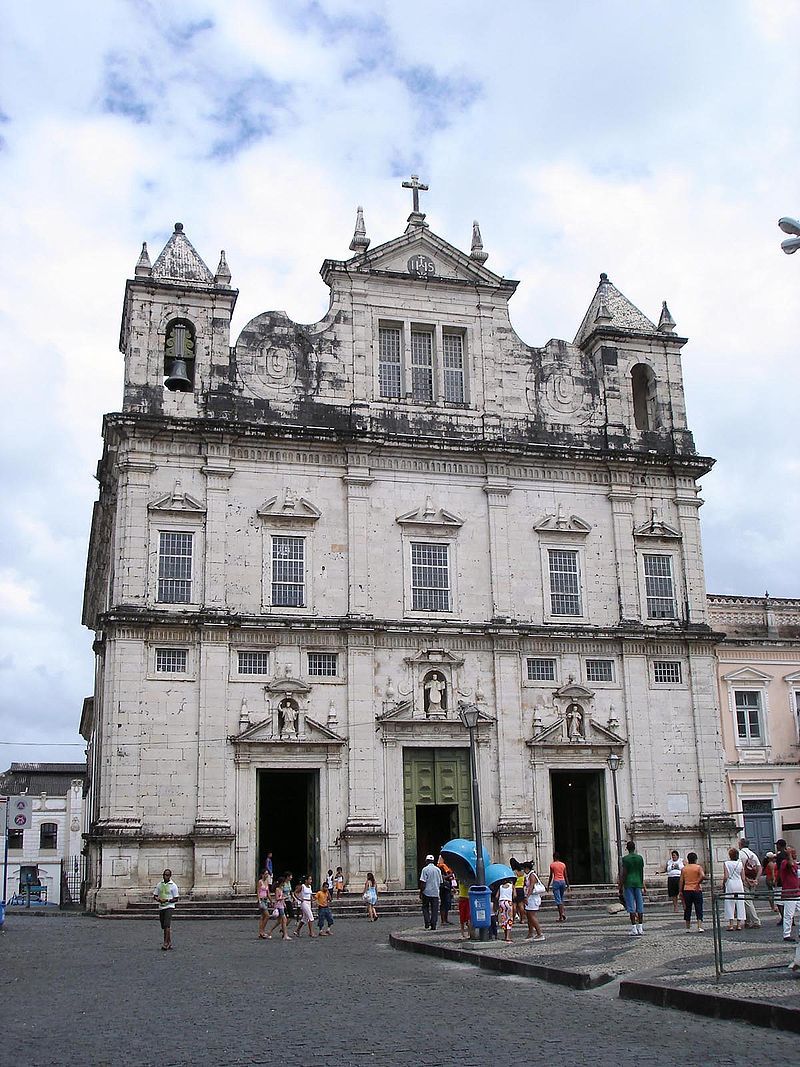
595	734
178	501
314	733
287	506
430	515
747	674
403	712
561	523
656	527
793	677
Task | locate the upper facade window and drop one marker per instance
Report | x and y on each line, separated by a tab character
541	669
171	660
643	384
389	361
422	366
749	722
48	835
659	587
453	362
599	670
323	664
430	577
425	364
253	662
288	572
175	567
565	589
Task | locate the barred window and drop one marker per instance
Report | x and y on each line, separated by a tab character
48	835
599	670
748	715
667	672
253	662
565	593
422	365
171	660
453	362
659	587
389	349
288	572
175	567
430	577
323	664
541	670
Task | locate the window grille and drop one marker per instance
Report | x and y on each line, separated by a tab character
171	660
659	587
389	357
667	672
323	664
175	567
599	670
748	715
430	577
565	594
422	366
541	670
288	572
254	663
48	835
453	362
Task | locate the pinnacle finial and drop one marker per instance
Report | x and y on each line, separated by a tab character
476	252
178	227
603	314
222	277
360	242
144	268
666	323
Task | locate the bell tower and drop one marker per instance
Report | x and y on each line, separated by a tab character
175	333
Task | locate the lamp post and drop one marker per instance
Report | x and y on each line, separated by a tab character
469	715
791	226
615	762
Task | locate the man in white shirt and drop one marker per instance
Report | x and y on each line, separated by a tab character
166	893
430	882
750	864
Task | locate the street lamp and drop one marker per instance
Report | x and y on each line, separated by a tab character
469	715
615	762
791	244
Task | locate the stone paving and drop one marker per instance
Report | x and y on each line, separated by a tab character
88	991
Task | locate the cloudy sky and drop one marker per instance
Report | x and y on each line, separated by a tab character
656	141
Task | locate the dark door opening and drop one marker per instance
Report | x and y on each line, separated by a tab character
579	825
759	826
436	825
288	823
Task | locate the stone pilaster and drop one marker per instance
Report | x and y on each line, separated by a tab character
512	755
358	481
689	505
132	534
497	492
621	498
218	471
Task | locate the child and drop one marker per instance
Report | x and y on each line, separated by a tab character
533	901
506	906
495	909
328	883
338	881
463	909
324	913
279	914
303	895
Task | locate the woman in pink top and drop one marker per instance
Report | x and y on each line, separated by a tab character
558	882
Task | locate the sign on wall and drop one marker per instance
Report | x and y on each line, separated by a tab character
19	813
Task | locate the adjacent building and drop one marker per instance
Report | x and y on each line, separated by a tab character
312	543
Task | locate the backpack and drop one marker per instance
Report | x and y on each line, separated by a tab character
751	866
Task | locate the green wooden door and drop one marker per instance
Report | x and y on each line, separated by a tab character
434	776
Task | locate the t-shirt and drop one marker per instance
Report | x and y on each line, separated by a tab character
463	891
505	893
431	878
674	868
693	875
633	871
558	869
322	898
167	893
790	882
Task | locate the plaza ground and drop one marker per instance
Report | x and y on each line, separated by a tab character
93	991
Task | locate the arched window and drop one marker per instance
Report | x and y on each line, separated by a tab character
643	382
48	835
179	351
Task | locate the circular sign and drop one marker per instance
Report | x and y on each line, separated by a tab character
421	266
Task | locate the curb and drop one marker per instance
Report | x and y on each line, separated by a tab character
556	975
713	1005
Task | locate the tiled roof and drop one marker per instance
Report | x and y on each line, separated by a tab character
619	313
34	778
179	261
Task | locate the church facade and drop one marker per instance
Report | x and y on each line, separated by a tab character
310	545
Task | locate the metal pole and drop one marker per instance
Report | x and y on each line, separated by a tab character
5	850
616	819
716	929
480	867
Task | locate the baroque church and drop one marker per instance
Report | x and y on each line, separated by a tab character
310	545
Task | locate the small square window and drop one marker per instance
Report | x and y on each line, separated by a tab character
171	660
599	670
323	664
667	672
254	663
541	670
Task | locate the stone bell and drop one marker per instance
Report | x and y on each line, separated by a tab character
178	380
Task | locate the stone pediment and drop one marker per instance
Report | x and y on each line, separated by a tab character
655	527
177	501
595	734
287	506
287	686
747	674
428	515
574	691
262	733
434	657
403	712
562	524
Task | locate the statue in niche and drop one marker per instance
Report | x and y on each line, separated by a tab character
575	723
435	690
287	717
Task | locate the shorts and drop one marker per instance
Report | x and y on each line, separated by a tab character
463	909
165	917
264	906
559	889
673	885
533	903
519	896
634	900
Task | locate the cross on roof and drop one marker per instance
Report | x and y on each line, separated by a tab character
415	185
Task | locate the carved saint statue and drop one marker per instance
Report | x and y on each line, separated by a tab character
575	727
435	694
287	712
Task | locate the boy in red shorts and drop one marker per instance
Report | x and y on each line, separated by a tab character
463	908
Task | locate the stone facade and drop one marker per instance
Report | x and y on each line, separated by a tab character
310	546
759	695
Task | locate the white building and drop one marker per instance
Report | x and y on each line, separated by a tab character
308	547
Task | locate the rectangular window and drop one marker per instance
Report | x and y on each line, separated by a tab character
565	593
453	362
541	670
175	567
599	670
422	365
48	835
667	672
254	663
389	355
171	660
15	839
430	577
288	572
659	587
323	664
748	716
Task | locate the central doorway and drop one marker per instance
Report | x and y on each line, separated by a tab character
288	823
437	803
580	831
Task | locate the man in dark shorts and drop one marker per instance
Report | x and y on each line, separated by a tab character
166	893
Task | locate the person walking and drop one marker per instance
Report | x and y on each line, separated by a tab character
560	884
519	892
673	868
279	911
264	903
533	901
371	897
445	893
304	892
324	913
430	884
790	891
631	884
770	872
733	888
751	866
780	855
166	893
288	897
690	888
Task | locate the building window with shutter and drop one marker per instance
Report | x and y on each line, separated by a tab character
453	365
749	722
430	577
565	590
288	572
422	366
659	587
175	567
389	361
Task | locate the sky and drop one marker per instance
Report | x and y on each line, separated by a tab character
657	142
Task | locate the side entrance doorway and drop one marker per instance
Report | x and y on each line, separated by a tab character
437	803
580	827
759	826
288	823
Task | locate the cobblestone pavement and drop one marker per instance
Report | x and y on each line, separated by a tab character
92	991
